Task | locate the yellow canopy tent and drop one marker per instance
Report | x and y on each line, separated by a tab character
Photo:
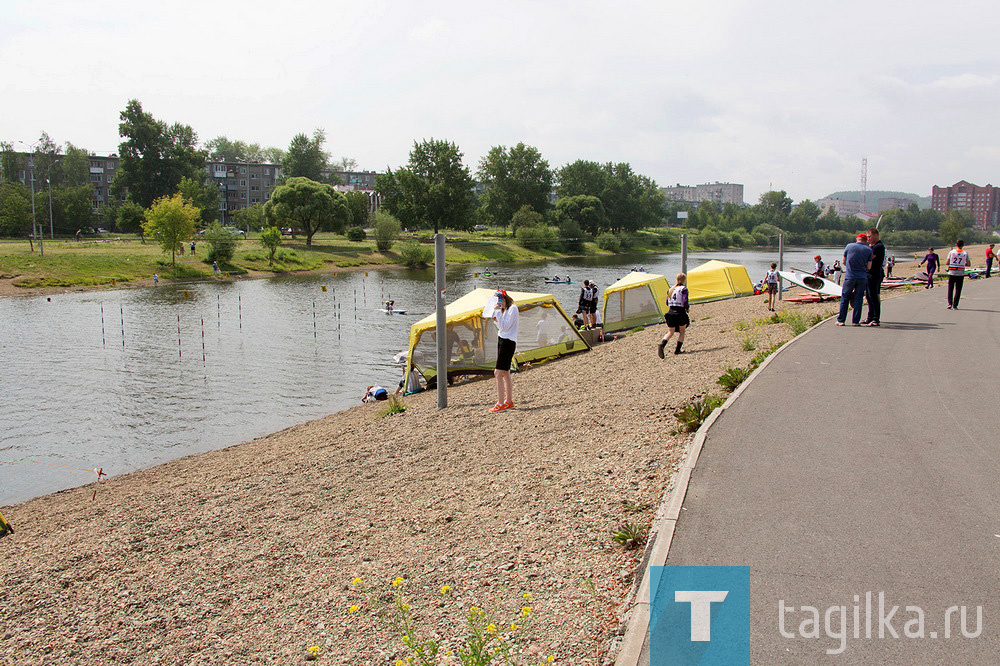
638	299
718	280
544	331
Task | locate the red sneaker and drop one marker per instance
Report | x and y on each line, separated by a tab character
508	405
498	408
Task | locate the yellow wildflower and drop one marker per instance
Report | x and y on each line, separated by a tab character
492	628
474	609
514	626
528	597
354	609
552	658
446	589
405	607
356	582
399	662
526	611
314	650
398	581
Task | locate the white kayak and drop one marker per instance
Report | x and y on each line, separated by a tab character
812	283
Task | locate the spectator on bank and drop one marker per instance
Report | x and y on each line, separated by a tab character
857	261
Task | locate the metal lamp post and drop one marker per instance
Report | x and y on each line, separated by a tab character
34	222
48	183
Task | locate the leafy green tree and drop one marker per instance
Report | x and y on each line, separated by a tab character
222	149
203	196
15	209
251	217
359	203
129	217
75	166
514	177
955	225
387	229
581	178
526	216
434	188
305	204
775	205
355	234
170	221
270	238
571	235
221	244
305	157
10	163
584	210
73	207
154	156
804	217
631	201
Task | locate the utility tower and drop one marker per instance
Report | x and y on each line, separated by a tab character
864	184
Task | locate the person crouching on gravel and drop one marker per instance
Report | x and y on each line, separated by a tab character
677	315
506	317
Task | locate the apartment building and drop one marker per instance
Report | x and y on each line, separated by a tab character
720	193
843	207
241	184
891	203
982	202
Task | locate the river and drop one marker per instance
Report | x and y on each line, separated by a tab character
126	379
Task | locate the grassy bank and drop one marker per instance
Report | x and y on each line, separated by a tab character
124	258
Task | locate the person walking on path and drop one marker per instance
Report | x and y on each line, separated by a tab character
215	267
876	273
771	285
958	261
890	263
677	315
857	261
990	256
156	279
506	317
838	271
933	261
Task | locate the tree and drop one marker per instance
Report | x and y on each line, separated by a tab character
270	238
581	178
154	157
306	204
15	209
955	225
305	157
251	217
75	166
387	230
129	217
526	216
631	201
434	188
359	203
222	244
775	205
73	207
170	221
585	210
804	218
10	163
203	196
514	178
222	149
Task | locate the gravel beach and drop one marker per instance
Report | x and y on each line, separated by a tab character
246	554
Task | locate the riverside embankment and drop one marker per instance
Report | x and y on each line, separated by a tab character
246	554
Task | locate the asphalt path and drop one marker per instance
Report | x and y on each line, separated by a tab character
864	460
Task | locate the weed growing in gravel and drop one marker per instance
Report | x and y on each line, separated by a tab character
313	653
631	507
693	414
394	406
630	535
763	354
749	343
638	329
486	641
732	378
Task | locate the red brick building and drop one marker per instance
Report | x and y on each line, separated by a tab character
982	202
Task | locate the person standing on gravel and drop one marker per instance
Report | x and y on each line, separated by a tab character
506	317
857	261
771	285
677	315
958	261
990	256
933	261
876	273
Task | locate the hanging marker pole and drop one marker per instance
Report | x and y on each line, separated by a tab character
684	253
239	300
203	341
123	327
218	308
781	261
355	305
179	354
314	318
103	338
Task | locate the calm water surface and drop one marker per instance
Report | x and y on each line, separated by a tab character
276	352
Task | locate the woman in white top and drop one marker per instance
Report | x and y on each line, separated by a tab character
506	316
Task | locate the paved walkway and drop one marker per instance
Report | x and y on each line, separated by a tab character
864	460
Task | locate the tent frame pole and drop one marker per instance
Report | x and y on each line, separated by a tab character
441	326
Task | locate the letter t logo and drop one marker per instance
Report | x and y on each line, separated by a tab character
701	610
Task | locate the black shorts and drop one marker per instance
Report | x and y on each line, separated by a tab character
677	317
505	353
590	307
772	287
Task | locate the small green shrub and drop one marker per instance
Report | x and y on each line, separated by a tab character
638	329
387	229
749	343
537	237
630	535
356	234
608	242
222	244
416	256
763	354
732	378
393	406
693	414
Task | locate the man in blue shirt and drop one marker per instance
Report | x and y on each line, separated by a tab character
857	261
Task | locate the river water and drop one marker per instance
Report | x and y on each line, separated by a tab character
99	379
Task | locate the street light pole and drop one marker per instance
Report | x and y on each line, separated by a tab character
48	182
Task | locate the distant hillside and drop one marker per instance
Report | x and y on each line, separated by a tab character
875	195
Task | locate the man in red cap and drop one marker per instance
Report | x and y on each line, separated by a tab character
857	261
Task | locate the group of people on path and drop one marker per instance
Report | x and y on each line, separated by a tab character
864	264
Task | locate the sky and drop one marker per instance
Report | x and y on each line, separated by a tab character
771	94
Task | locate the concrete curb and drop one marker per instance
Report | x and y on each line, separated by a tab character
636	619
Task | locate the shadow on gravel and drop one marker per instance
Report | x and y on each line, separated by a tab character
701	351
